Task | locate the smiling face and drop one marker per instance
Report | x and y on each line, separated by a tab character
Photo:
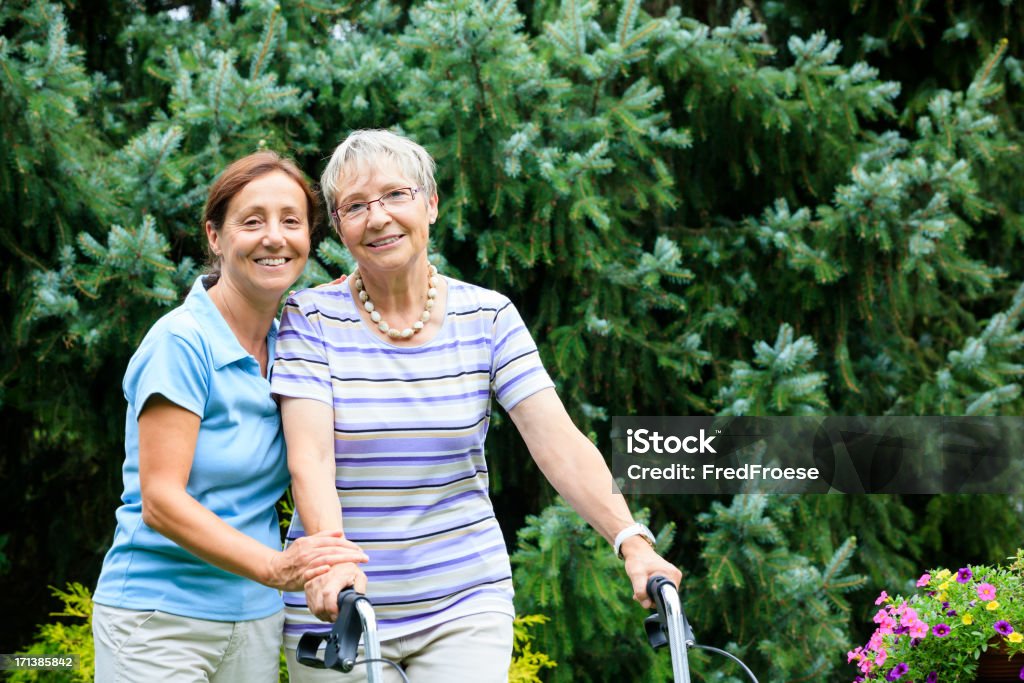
385	241
264	241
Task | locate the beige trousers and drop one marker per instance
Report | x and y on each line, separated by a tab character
473	649
145	647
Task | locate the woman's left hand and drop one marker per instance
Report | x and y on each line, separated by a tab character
310	556
642	562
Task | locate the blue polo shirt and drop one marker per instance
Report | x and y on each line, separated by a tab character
191	357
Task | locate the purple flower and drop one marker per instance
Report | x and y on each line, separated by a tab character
951	613
1003	627
897	671
1022	673
942	630
932	677
964	575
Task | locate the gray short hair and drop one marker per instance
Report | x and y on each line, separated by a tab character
364	149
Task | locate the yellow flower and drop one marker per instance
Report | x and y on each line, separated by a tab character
944	586
943	574
992	606
1015	637
941	597
967	619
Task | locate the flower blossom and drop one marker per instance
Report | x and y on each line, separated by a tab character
923	581
881	598
897	671
986	591
940	630
1003	627
918	629
992	606
963	575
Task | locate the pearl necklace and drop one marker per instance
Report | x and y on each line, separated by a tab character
382	324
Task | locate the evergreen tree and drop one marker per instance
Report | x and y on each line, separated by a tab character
762	208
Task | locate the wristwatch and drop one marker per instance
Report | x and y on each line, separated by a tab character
629	532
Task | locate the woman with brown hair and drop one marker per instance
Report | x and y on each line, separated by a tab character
190	587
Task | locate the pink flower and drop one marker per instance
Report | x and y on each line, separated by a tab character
875	642
881	598
855	654
881	657
909	615
918	629
886	626
987	591
923	581
879	616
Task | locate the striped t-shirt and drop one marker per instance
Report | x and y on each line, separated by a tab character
409	429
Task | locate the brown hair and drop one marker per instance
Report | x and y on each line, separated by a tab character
233	180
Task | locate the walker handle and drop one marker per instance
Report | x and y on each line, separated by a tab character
342	641
669	625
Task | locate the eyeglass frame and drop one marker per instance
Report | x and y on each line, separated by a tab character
379	200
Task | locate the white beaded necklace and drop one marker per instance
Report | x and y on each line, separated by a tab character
382	324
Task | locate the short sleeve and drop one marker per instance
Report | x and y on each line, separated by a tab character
301	368
168	365
516	369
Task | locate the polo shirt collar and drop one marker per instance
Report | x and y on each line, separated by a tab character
224	344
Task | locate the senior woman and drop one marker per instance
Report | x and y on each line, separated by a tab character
189	591
385	383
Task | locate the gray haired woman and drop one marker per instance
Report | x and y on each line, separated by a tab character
386	383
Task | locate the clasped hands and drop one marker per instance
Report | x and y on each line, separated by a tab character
322	564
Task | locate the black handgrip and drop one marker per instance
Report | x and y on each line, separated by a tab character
342	641
654	585
656	624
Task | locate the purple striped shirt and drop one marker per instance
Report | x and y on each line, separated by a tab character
410	425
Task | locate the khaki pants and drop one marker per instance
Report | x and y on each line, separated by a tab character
473	649
145	647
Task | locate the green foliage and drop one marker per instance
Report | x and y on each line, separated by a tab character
782	382
760	208
72	635
780	611
527	664
565	570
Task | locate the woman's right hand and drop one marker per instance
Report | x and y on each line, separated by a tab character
322	591
311	556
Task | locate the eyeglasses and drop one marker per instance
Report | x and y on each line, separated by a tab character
353	212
